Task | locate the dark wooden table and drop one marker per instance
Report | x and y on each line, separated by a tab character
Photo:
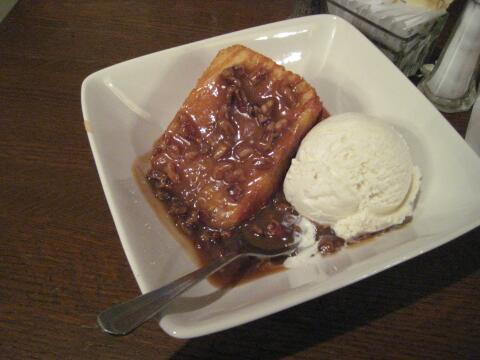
60	257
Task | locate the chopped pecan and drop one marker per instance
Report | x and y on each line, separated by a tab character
188	129
262	119
241	100
223	112
161	181
330	244
239	175
291	98
267	107
263	163
234	177
281	124
171	171
204	148
258	76
229	95
163	195
221	169
235	191
177	208
193	218
227	128
220	150
270	127
160	161
266	144
243	150
173	150
191	155
229	75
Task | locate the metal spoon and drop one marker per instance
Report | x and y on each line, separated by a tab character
123	318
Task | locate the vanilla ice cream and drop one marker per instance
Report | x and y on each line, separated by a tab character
354	173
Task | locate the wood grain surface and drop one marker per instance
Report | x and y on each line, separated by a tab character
60	257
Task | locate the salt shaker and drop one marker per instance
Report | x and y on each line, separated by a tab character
451	84
473	130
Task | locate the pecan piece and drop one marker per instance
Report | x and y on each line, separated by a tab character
229	95
204	148
229	75
160	181
263	163
177	208
281	124
191	155
221	169
173	150
223	113
188	129
159	161
267	107
262	119
290	97
330	244
227	128
171	171
193	218
163	195
235	191
234	177
243	150
270	127
220	151
258	76
238	175
241	101
266	144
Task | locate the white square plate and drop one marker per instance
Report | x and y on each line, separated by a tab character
127	106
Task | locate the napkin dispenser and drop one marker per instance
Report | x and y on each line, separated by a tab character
405	33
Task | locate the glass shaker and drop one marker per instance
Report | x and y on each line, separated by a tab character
472	136
451	85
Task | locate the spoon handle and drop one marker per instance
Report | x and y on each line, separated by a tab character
123	318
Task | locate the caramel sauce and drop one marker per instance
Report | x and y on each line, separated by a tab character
140	169
245	271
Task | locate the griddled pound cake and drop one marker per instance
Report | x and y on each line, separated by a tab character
228	147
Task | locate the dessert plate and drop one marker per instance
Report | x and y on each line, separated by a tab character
127	106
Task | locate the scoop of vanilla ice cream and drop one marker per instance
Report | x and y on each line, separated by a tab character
354	173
